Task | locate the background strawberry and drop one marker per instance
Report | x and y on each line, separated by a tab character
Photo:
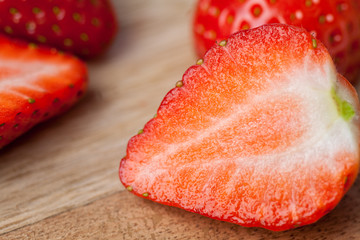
83	27
36	83
279	155
334	22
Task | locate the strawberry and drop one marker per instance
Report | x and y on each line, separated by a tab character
262	132
82	27
334	22
36	83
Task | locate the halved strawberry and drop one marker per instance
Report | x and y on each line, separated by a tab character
261	132
334	22
82	27
36	83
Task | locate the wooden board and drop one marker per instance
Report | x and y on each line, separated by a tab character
124	216
60	180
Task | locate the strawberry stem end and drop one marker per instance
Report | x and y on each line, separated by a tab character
345	109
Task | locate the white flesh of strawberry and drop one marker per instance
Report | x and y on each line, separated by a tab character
26	75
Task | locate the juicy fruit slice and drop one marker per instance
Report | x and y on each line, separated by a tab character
334	22
254	134
85	28
35	84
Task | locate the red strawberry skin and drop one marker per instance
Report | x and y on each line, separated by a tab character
334	22
85	28
262	132
36	83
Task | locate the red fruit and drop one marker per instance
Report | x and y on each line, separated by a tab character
334	22
82	27
35	85
261	132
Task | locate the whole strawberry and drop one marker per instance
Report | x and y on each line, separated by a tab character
83	27
36	83
261	132
334	22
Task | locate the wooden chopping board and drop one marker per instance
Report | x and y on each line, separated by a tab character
60	180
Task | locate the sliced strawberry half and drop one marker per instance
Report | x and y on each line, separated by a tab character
36	84
262	132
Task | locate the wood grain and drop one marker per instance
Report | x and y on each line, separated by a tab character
125	216
60	180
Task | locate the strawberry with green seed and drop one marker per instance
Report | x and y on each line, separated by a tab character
334	22
262	132
85	28
36	83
